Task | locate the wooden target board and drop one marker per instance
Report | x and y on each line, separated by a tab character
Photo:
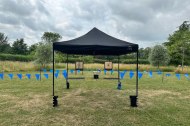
108	66
79	66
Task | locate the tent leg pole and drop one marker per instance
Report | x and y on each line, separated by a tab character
67	82
40	72
75	69
118	71
137	74
53	72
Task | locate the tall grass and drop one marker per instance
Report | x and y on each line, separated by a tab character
10	66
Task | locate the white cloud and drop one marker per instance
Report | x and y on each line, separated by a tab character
145	22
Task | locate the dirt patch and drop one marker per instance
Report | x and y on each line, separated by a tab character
74	97
154	93
185	97
145	96
33	101
98	104
8	97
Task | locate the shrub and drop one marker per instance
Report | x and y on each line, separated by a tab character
11	57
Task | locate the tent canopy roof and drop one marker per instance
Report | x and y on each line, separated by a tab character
95	42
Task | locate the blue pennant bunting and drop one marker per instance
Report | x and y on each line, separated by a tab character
168	75
150	74
64	71
159	72
125	71
51	71
122	74
1	76
78	71
111	71
46	76
37	76
178	76
44	70
105	71
131	74
19	76
57	71
10	76
56	75
65	75
187	76
72	71
28	76
140	75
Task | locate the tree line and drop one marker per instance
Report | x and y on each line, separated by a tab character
175	51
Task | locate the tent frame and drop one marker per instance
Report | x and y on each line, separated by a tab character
118	72
96	42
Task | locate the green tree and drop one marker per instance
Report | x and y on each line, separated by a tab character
159	56
146	52
43	54
50	37
3	39
32	48
44	50
4	45
19	47
178	44
60	57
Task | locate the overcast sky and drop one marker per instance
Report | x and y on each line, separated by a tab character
145	22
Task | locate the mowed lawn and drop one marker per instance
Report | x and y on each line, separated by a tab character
92	102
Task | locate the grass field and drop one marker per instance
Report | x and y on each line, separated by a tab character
92	102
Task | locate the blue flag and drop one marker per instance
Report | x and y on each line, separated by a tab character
57	71
56	75
28	76
78	71
122	74
125	71
131	74
111	71
72	71
44	70
65	75
178	76
64	71
37	76
140	75
168	75
46	76
104	71
19	76
186	75
10	76
159	72
150	74
51	71
1	76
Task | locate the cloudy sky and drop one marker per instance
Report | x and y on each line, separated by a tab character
145	22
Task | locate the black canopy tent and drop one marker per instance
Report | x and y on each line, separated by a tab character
96	42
